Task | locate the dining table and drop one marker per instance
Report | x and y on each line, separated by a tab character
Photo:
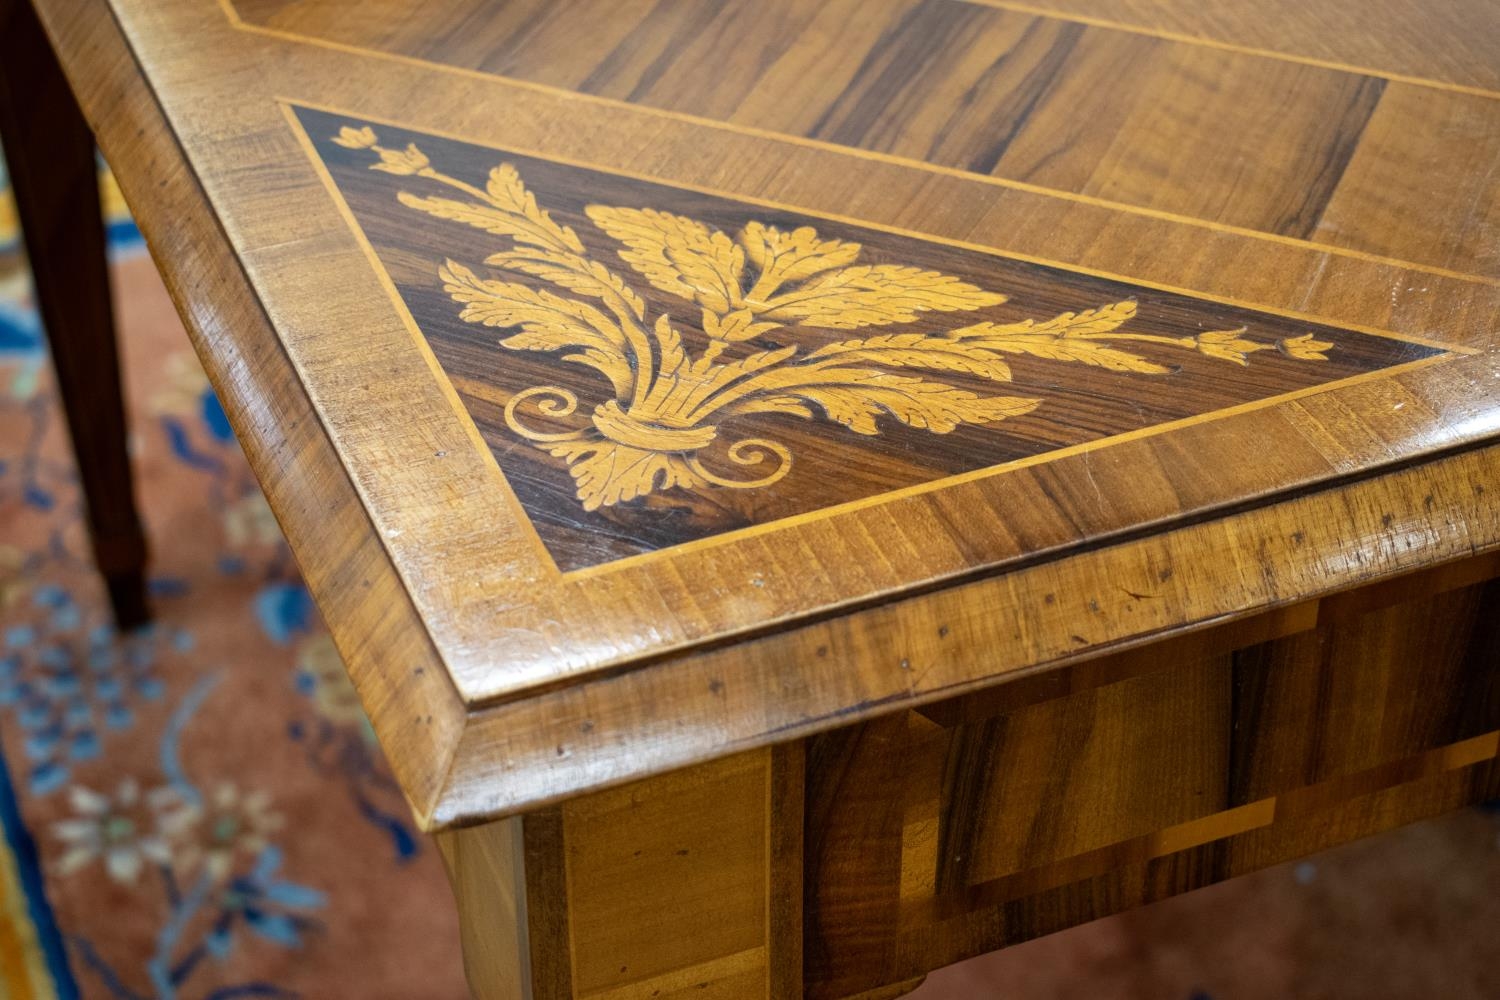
811	491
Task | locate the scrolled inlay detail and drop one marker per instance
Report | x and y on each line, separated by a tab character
673	398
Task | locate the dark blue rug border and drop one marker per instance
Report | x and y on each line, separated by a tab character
28	868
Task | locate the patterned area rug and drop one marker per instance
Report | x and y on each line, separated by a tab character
211	812
200	811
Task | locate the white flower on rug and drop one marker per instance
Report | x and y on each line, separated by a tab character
235	824
13	582
124	830
248	522
182	389
322	676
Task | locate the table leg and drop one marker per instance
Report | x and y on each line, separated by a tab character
487	870
682	887
49	152
847	866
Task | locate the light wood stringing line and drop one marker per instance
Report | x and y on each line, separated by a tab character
295	39
1214	43
604	569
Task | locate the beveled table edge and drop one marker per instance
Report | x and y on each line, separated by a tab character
392	661
459	765
525	755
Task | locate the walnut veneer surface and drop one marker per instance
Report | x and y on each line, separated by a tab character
644	382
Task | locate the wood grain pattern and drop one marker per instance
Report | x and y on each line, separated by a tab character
1445	224
941	692
673	888
1048	814
488	870
1448	43
663	660
549	929
1109	101
504	625
1079	358
1140	122
1131	594
918	838
929	694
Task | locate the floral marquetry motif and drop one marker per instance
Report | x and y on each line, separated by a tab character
760	284
669	350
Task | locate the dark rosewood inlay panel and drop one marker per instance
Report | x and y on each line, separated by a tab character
653	365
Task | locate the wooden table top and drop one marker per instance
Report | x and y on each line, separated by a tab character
640	381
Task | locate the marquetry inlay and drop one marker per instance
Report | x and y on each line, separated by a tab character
656	365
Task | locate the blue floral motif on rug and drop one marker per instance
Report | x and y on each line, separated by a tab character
159	783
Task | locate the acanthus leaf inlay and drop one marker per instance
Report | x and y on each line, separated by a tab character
672	400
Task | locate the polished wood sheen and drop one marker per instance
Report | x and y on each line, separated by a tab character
761	339
924	837
808	492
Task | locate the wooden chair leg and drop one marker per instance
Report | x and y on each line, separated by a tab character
49	152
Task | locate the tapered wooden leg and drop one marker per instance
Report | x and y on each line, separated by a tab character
682	887
847	866
49	152
488	874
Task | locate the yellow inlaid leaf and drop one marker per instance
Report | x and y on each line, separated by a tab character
607	473
356	138
1090	322
781	256
402	162
506	303
706	378
1228	345
1305	348
662	430
1068	337
486	217
928	405
874	295
547	322
856	396
734	327
576	274
669	345
919	350
508	192
678	255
